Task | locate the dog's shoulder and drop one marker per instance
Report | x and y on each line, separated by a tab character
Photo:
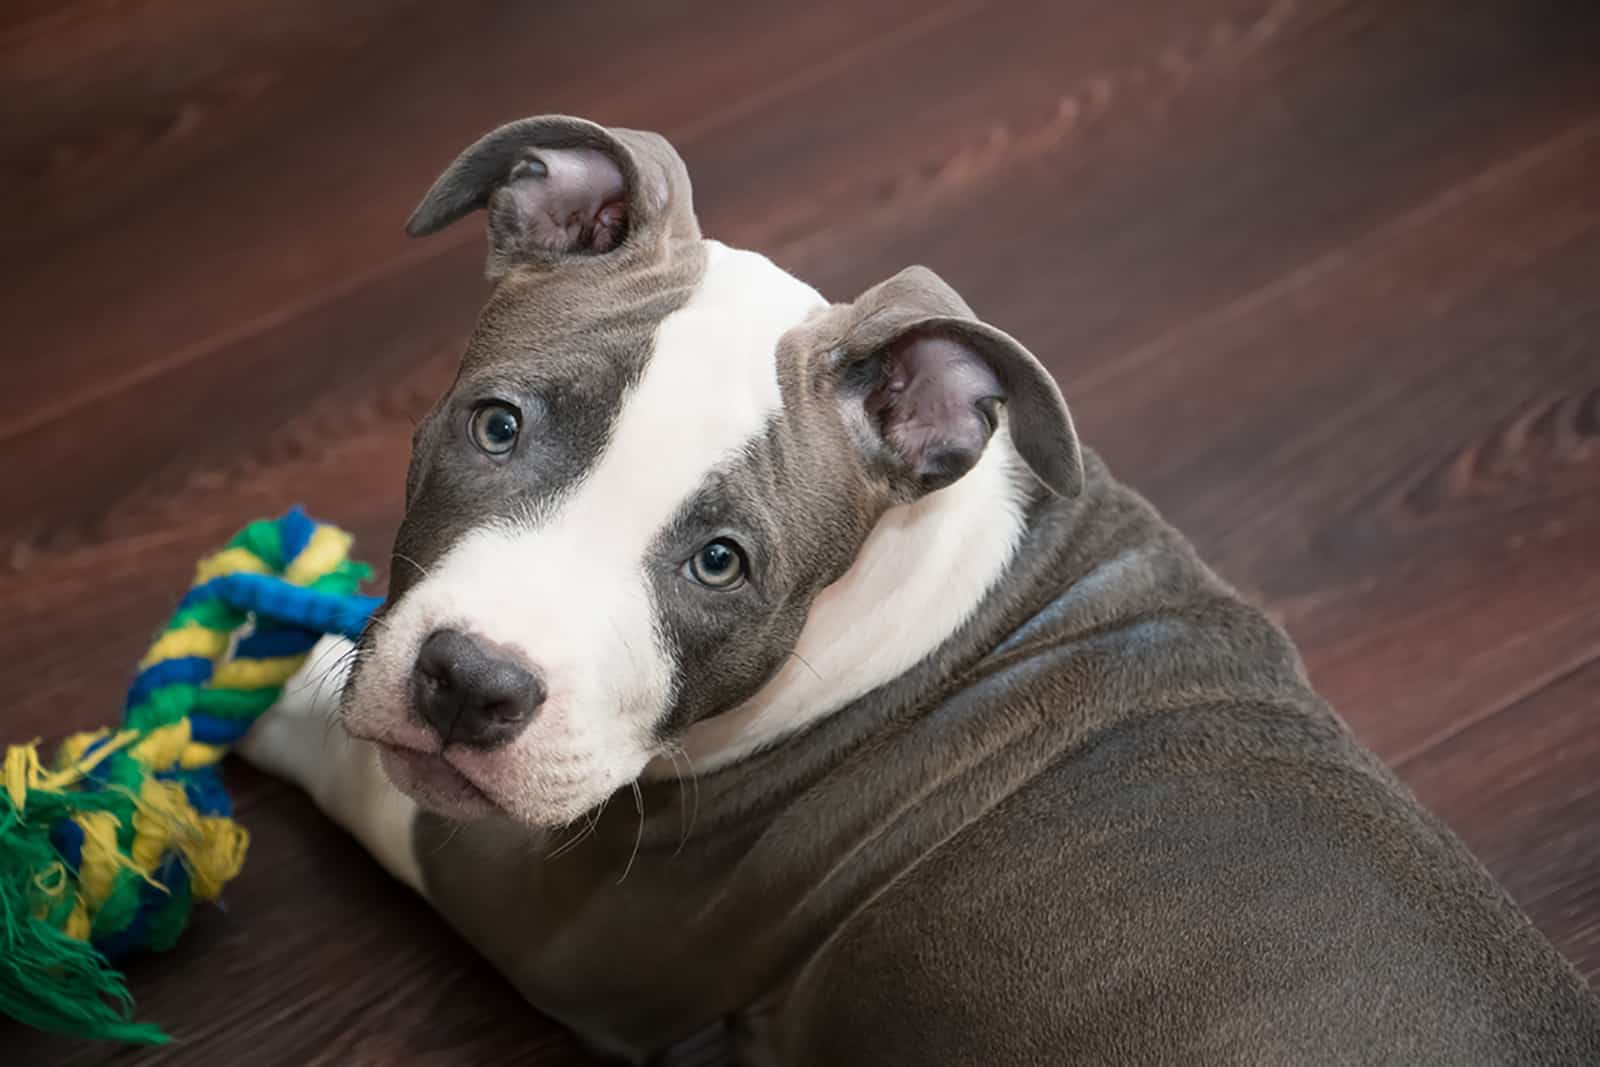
1161	898
1201	863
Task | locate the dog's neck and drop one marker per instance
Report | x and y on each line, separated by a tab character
919	577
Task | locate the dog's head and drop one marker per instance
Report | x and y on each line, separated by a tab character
658	452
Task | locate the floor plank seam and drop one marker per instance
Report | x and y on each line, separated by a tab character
1510	703
1440	204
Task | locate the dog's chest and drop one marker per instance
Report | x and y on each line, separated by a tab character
650	928
636	936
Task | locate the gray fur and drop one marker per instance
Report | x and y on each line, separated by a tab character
917	304
562	338
1108	821
803	497
653	186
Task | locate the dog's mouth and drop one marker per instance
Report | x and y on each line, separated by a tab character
434	782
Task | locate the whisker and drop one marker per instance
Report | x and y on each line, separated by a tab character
454	830
638	801
674	750
591	820
807	663
378	620
583	834
321	657
316	675
683	833
402	557
345	660
694	779
331	722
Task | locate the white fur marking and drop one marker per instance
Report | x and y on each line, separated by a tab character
301	740
569	588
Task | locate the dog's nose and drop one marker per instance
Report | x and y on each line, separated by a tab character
472	693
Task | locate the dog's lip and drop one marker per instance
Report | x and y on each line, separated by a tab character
435	761
383	740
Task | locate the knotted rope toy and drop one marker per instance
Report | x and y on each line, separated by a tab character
104	851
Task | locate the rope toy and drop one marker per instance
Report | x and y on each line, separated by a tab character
103	852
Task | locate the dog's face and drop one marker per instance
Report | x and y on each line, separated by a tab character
657	453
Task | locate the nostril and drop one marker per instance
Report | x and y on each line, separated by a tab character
515	696
441	655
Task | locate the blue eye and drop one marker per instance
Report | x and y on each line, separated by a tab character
718	565
494	428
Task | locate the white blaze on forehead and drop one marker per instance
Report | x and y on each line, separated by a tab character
710	387
568	586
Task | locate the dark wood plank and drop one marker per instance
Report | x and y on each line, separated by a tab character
1520	787
1157	106
394	316
1316	275
1411	488
341	148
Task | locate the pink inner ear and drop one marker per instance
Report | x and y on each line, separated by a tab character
934	407
610	223
564	200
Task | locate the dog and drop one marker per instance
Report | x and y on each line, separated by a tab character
787	668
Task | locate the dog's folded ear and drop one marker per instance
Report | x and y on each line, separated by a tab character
557	186
923	382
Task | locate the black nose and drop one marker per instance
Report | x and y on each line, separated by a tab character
472	693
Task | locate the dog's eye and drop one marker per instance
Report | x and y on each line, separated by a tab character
718	565
494	428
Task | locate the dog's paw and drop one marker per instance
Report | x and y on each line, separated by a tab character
292	739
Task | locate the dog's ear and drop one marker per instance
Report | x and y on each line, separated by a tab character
922	383
556	187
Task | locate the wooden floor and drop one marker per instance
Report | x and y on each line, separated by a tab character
1321	277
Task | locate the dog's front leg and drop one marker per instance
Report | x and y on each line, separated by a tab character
302	740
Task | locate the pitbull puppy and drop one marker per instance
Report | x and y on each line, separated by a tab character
762	662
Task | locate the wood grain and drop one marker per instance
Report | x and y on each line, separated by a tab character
1318	276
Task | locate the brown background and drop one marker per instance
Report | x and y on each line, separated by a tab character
1321	277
